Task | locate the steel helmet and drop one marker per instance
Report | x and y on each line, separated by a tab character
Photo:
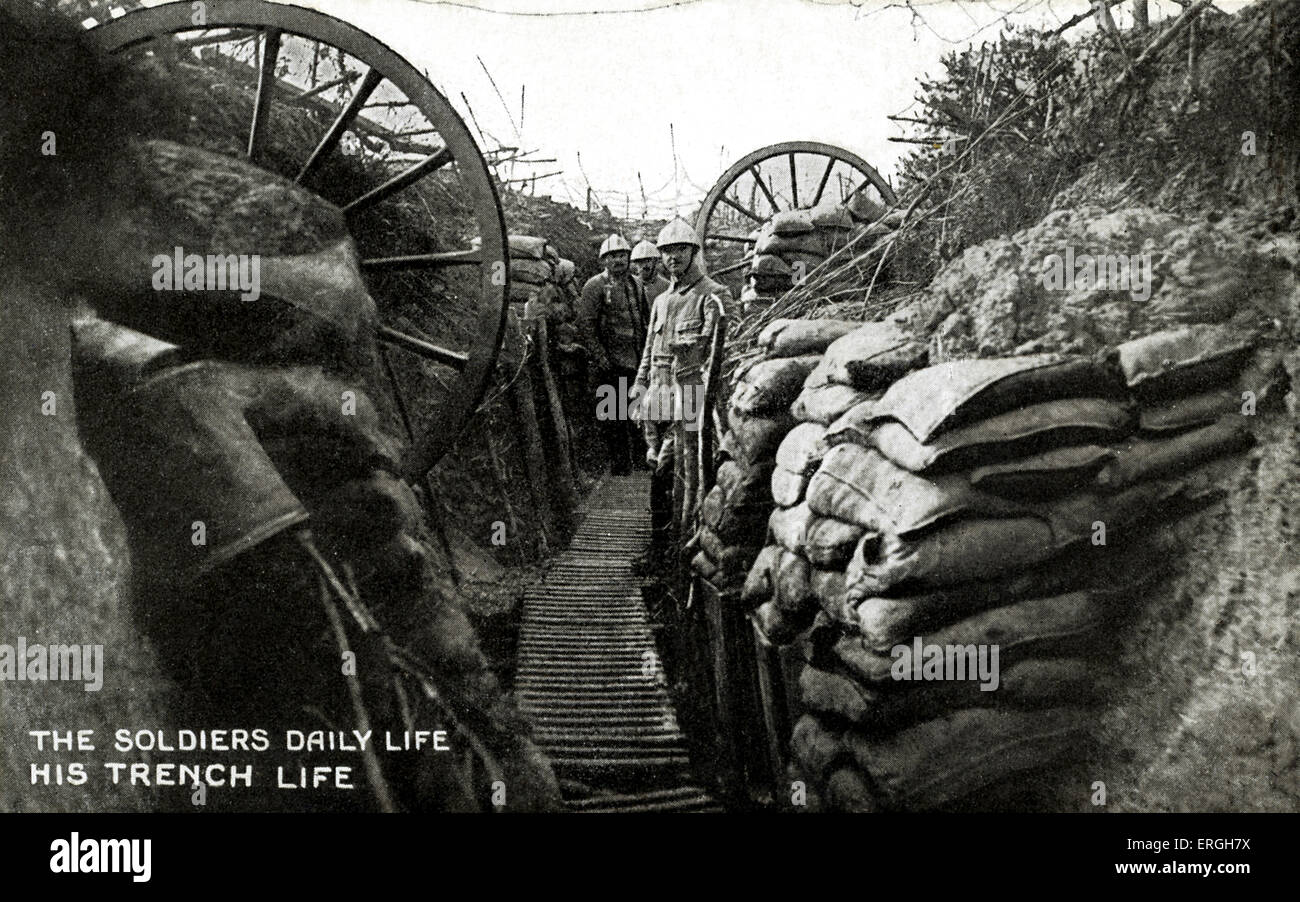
644	250
564	270
613	244
679	231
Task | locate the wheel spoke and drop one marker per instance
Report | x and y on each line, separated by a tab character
745	210
866	183
794	185
739	239
207	38
430	164
826	177
753	170
455	359
340	125
422	261
265	85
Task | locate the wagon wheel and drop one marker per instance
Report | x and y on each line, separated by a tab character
343	103
794	175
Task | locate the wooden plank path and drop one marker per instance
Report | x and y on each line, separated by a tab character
589	677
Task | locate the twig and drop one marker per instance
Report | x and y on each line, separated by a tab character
1081	17
1160	43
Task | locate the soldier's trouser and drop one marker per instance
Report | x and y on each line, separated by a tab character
661	489
686	484
622	437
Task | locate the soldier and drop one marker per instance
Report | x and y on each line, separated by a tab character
670	377
645	265
611	320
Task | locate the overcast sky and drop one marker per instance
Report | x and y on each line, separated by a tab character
729	75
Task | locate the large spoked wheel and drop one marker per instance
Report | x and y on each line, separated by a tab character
795	175
315	100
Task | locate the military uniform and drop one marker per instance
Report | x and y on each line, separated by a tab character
672	370
611	319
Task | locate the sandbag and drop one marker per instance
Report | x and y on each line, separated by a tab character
854	426
829	543
794	595
1142	459
785	245
795	337
1034	683
734	562
790	222
817	747
527	247
534	272
885	622
860	485
779	628
755	439
943	760
967	550
831	216
958	552
760	583
746	486
807	259
789	526
770	386
770	266
703	565
802	450
947	395
1185	360
826	403
734	524
1006	436
1071	624
1044	475
847	790
873	355
1177	414
828	587
787	488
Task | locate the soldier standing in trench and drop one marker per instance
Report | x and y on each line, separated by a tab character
670	378
645	266
611	320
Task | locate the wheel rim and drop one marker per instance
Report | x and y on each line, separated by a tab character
374	84
791	175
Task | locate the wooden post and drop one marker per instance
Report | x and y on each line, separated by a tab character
776	713
521	396
712	381
557	450
502	486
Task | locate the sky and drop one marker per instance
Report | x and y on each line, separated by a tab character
602	90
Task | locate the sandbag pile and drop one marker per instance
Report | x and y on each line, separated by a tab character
953	545
789	245
533	264
734	514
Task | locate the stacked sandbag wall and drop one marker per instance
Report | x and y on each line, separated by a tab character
760	412
789	246
1008	512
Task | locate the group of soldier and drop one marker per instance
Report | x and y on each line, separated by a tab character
645	336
